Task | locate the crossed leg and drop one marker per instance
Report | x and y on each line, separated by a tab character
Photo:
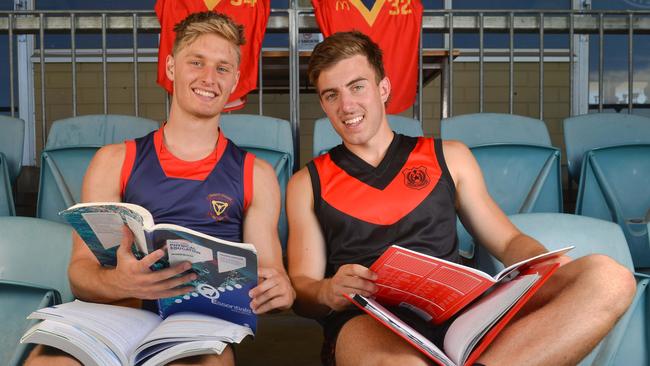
560	325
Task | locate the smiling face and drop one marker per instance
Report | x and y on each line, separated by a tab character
354	102
204	73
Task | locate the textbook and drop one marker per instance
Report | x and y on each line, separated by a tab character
107	335
436	290
226	271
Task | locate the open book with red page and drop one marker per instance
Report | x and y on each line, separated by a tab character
436	289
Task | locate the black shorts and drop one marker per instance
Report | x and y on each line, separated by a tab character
333	323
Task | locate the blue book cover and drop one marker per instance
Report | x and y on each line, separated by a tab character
226	271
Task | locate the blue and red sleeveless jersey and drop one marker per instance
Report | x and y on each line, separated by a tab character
209	195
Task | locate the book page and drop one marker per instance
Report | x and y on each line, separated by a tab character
120	328
513	270
190	327
429	286
83	346
466	331
100	224
402	329
186	349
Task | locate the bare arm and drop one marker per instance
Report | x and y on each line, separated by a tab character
261	229
131	278
480	214
317	295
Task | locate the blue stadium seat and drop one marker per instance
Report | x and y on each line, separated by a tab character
33	274
97	130
615	186
589	131
12	134
326	138
270	139
628	343
70	146
520	167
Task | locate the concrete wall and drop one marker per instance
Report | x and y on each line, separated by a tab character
152	99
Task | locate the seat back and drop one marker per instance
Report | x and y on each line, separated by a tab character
615	186
97	130
12	136
17	301
37	252
33	274
61	177
489	128
326	138
589	131
520	167
627	343
269	139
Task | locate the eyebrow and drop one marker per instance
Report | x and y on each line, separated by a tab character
352	82
202	57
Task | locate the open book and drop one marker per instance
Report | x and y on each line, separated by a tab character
226	271
436	290
98	334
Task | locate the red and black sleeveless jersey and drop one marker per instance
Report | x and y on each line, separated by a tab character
252	14
407	200
394	25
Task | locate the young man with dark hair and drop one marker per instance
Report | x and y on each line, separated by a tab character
380	188
174	172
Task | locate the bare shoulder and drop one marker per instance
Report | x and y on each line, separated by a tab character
300	183
458	158
102	179
263	172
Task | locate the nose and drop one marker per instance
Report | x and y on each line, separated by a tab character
347	102
208	75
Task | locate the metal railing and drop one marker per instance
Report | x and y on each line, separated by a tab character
295	21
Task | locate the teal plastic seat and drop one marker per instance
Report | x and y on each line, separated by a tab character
61	178
97	130
71	145
269	139
520	167
628	342
589	131
326	138
615	186
12	135
33	274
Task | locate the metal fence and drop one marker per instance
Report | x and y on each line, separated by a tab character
294	21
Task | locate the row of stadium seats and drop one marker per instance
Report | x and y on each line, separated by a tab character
35	254
607	154
514	152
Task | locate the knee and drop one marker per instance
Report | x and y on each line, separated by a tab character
611	283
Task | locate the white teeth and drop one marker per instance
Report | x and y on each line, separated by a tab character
204	93
353	120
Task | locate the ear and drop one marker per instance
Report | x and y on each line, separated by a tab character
236	82
384	89
169	67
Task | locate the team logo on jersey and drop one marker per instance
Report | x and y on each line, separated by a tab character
416	178
219	204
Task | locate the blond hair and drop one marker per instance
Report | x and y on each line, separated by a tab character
208	22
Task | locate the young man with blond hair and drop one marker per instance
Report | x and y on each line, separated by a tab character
380	188
176	172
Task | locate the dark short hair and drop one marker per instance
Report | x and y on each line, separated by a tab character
208	22
340	46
